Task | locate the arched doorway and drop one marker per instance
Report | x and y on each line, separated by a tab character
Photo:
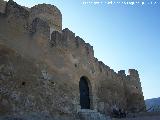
84	93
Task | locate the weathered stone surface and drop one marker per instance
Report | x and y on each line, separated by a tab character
3	6
41	67
49	13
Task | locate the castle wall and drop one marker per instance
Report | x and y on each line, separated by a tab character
44	67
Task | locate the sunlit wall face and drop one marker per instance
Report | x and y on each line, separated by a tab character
123	35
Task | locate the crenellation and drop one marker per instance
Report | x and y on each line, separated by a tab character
89	50
110	73
15	17
68	35
133	73
96	60
80	42
16	11
101	63
107	67
67	38
121	73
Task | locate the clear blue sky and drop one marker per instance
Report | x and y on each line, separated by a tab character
123	36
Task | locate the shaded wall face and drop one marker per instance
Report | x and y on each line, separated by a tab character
134	94
111	93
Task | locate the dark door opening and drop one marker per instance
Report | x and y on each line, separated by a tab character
84	93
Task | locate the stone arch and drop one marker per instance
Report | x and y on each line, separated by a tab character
85	91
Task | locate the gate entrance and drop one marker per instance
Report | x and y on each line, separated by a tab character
84	93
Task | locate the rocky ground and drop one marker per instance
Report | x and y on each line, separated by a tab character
142	116
92	116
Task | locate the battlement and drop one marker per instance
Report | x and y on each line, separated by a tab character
14	10
122	73
133	73
67	38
